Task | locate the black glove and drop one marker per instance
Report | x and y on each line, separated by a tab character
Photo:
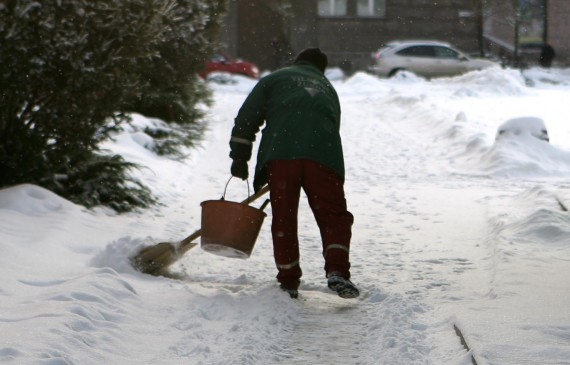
239	169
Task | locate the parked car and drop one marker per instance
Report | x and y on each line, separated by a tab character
424	58
530	126
223	63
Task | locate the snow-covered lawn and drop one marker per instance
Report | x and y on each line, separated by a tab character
461	240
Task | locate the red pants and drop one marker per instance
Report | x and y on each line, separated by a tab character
325	193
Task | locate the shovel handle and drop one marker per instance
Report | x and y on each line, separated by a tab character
186	244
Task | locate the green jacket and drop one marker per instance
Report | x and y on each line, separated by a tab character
302	114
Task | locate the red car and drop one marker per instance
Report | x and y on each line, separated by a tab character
221	63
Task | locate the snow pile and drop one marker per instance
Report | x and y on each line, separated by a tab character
547	78
491	80
529	243
537	218
117	254
451	112
32	200
519	151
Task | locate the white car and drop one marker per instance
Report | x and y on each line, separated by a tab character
424	58
529	126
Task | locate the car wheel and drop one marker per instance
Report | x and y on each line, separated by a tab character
395	71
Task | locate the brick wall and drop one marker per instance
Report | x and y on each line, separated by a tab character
559	29
349	40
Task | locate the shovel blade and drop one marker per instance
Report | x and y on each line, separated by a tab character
155	259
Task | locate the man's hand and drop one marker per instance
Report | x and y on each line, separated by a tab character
239	169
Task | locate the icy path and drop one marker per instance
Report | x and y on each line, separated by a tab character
423	254
326	331
417	255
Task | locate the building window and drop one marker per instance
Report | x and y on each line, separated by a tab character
531	27
332	7
372	8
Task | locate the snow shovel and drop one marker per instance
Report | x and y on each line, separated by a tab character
155	260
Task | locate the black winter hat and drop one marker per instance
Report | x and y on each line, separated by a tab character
315	56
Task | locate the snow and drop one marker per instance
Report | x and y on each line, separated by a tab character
457	234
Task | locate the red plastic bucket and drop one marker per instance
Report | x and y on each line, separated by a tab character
230	229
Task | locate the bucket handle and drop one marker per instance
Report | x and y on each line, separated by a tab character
265	203
248	192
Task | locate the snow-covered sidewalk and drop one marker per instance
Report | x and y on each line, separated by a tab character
455	234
